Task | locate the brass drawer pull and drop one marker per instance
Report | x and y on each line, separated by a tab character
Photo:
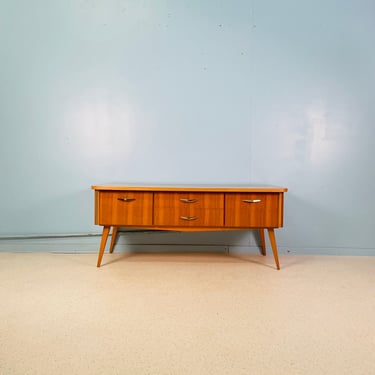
252	200
188	218
185	200
126	199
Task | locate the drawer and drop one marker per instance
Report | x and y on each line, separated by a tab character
188	209
180	200
254	210
124	208
188	216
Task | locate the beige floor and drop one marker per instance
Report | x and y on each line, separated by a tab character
186	314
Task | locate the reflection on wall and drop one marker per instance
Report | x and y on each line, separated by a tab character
100	127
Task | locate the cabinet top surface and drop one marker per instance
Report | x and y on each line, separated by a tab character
194	188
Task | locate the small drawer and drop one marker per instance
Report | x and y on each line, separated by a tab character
254	210
125	208
181	200
189	217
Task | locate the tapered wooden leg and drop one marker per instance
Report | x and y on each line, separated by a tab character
113	239
262	241
102	244
271	234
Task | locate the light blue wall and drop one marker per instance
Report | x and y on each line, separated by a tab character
178	91
314	117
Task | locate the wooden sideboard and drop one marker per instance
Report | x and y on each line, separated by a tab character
189	209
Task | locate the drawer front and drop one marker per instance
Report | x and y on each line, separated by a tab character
254	210
189	209
189	217
185	200
124	208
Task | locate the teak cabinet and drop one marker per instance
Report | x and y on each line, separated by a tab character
189	209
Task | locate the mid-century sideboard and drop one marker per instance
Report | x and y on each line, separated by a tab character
185	208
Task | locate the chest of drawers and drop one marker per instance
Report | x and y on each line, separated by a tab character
189	209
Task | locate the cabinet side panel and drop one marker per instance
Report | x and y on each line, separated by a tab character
281	209
96	213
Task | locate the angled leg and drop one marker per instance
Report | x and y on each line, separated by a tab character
262	241
113	239
103	242
271	234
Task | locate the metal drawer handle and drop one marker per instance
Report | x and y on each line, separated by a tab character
126	199
188	218
252	200
185	200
